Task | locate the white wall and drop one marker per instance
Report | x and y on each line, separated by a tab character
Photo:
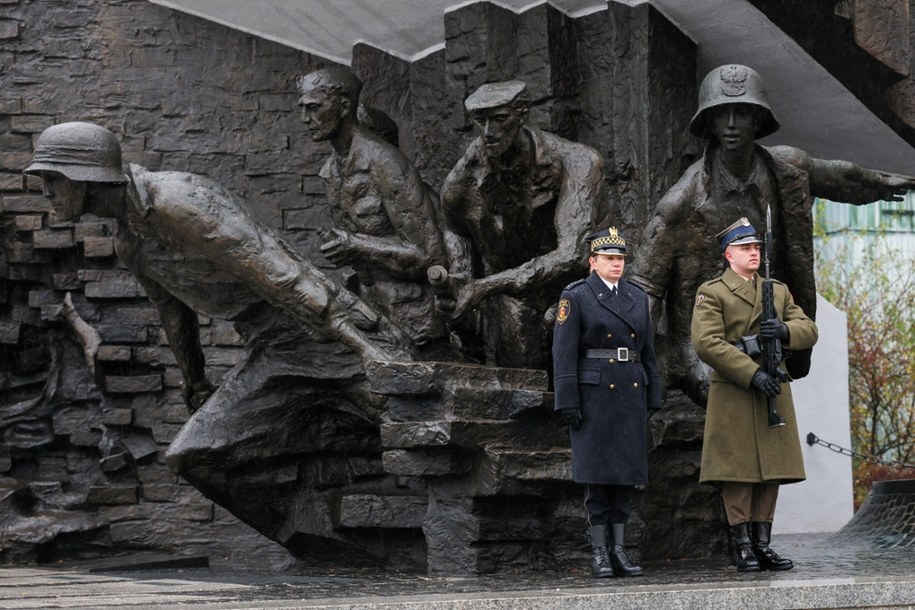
824	502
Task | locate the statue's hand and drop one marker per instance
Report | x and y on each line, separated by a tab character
888	186
466	298
337	247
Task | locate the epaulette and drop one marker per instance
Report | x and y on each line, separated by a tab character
576	283
637	287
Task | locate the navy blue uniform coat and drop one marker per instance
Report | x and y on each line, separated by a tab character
611	448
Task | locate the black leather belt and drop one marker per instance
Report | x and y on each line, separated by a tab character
620	354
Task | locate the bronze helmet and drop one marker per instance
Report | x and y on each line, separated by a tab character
80	151
733	84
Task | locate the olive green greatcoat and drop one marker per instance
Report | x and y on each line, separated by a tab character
738	444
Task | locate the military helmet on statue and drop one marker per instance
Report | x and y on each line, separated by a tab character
733	84
80	151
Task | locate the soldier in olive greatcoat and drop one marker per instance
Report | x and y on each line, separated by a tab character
740	451
606	380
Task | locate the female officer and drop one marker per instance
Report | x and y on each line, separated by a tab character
606	380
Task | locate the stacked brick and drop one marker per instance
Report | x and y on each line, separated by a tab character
180	93
472	473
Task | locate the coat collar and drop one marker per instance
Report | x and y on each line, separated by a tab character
741	287
624	301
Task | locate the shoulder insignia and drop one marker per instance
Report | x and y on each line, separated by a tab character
562	312
576	283
699	299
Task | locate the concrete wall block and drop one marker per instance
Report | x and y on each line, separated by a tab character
30	123
27	222
98	247
158	492
118	286
368	510
117	417
113	353
11	182
195	512
155	356
24	203
53	239
415	434
119	333
113	494
9	29
9	333
133	385
66	281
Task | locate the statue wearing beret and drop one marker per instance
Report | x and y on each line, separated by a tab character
517	206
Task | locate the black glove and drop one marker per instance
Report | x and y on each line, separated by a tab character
766	383
773	329
571	418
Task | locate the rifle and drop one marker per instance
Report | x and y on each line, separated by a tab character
771	348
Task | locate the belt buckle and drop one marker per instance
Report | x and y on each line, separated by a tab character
622	354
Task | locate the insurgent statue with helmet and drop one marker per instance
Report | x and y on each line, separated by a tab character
736	177
195	248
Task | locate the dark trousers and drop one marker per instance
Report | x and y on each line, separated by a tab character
608	504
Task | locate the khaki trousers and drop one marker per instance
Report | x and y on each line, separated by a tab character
745	502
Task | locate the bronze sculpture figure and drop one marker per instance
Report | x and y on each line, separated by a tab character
518	204
737	177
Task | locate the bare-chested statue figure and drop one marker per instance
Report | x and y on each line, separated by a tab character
738	178
384	215
520	202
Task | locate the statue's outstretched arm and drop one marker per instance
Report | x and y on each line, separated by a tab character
846	182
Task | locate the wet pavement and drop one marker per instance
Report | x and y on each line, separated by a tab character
827	575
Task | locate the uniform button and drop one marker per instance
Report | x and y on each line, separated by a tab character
612	386
609	335
611	361
636	384
632	336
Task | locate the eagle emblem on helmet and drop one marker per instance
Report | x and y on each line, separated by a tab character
734	80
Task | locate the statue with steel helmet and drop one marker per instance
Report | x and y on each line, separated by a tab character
736	177
517	207
196	249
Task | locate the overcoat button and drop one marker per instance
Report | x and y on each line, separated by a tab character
611	361
632	335
636	384
609	335
612	386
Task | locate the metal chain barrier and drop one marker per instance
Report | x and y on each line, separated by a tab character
813	439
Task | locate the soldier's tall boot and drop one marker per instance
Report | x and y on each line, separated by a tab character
768	559
746	560
622	566
600	562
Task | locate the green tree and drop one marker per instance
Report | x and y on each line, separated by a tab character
874	284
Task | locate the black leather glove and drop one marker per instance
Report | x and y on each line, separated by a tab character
773	329
571	418
766	383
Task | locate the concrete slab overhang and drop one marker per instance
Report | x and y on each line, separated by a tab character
817	112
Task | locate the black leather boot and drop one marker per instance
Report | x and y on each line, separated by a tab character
746	559
622	566
768	559
600	562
